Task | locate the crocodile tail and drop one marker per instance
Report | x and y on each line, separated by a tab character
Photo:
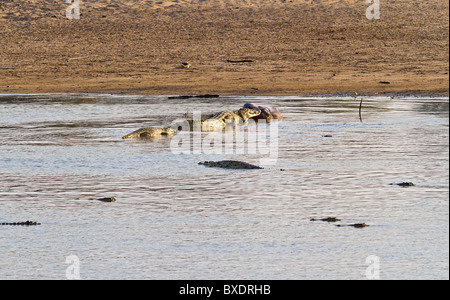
134	134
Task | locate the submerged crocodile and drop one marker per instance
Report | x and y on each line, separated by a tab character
150	132
329	219
356	225
106	199
267	112
334	219
219	121
27	223
403	184
229	164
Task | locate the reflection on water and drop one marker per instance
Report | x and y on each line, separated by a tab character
174	219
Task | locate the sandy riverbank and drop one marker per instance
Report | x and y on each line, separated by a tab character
295	47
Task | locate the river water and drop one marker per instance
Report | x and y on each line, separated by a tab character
175	219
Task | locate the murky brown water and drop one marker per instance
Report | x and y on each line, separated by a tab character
174	219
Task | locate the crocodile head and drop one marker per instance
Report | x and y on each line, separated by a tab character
267	112
168	131
247	113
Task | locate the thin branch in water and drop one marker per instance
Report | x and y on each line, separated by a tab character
360	107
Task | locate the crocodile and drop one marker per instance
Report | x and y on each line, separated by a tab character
27	223
267	112
106	199
221	119
334	219
229	164
403	184
356	225
218	121
150	132
329	219
242	114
